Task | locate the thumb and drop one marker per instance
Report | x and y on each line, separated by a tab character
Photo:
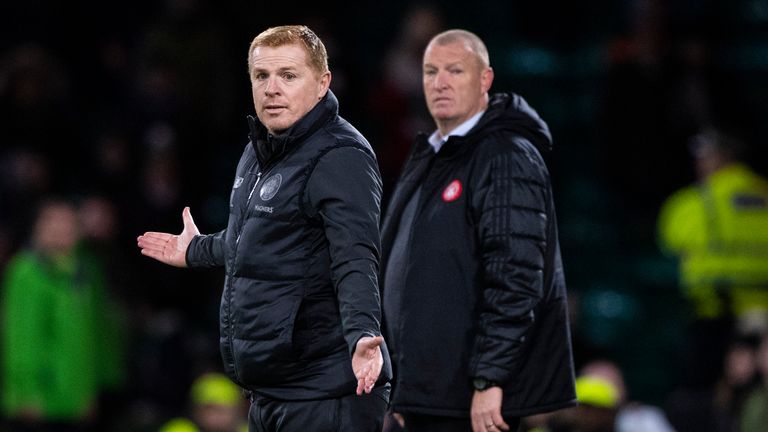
189	223
374	342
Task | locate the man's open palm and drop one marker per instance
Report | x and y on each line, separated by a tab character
169	248
367	362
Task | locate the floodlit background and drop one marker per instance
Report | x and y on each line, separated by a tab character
138	109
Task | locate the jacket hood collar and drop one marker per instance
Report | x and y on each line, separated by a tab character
268	146
509	111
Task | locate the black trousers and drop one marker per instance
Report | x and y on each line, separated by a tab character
351	413
429	423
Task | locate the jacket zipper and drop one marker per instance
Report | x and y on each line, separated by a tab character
245	210
231	332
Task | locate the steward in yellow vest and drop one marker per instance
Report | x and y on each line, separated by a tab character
719	230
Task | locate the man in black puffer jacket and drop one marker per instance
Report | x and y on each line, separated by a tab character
300	311
474	294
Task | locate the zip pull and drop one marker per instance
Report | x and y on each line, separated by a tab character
258	178
247	204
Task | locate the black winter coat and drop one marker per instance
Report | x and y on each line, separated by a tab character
484	292
301	253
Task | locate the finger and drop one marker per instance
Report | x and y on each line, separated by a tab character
152	252
478	425
498	420
159	248
370	381
375	342
158	255
399	419
360	386
153	242
153	237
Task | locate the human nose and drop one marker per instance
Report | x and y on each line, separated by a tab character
439	81
271	87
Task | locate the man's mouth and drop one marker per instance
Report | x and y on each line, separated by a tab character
274	109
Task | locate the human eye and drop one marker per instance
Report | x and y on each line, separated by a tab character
430	72
289	76
260	75
455	71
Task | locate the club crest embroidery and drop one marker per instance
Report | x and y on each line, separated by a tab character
238	182
452	192
270	187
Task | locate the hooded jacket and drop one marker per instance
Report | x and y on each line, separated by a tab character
483	292
301	253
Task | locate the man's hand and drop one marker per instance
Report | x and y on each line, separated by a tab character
367	362
486	411
168	248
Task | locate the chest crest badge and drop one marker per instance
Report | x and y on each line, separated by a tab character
453	191
270	187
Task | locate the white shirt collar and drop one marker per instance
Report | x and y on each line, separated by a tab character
437	140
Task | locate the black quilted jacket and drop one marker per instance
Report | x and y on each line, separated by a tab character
483	292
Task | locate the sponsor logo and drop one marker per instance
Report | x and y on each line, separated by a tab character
265	209
270	187
238	182
452	192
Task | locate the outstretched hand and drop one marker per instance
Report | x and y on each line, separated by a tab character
367	362
169	248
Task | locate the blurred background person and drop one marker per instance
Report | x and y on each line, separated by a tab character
753	416
604	406
718	229
717	408
55	330
217	405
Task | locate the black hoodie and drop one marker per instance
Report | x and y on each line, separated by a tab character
482	292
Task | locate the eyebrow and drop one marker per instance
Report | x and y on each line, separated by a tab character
430	65
282	69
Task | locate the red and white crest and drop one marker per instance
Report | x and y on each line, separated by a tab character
452	192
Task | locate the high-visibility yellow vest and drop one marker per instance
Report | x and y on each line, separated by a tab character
179	425
719	229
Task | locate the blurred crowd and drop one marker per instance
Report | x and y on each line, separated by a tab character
110	131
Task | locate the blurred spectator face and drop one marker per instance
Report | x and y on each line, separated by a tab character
284	85
98	219
762	358
708	159
218	417
56	228
455	83
217	403
27	172
608	371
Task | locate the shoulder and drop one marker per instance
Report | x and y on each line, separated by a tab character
340	133
509	151
683	200
24	262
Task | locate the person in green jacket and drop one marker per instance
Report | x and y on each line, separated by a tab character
56	331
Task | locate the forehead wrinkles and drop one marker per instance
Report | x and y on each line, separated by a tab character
277	58
448	55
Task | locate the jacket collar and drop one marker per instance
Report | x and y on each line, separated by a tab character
269	147
506	111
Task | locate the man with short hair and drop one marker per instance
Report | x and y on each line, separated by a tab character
300	310
474	296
